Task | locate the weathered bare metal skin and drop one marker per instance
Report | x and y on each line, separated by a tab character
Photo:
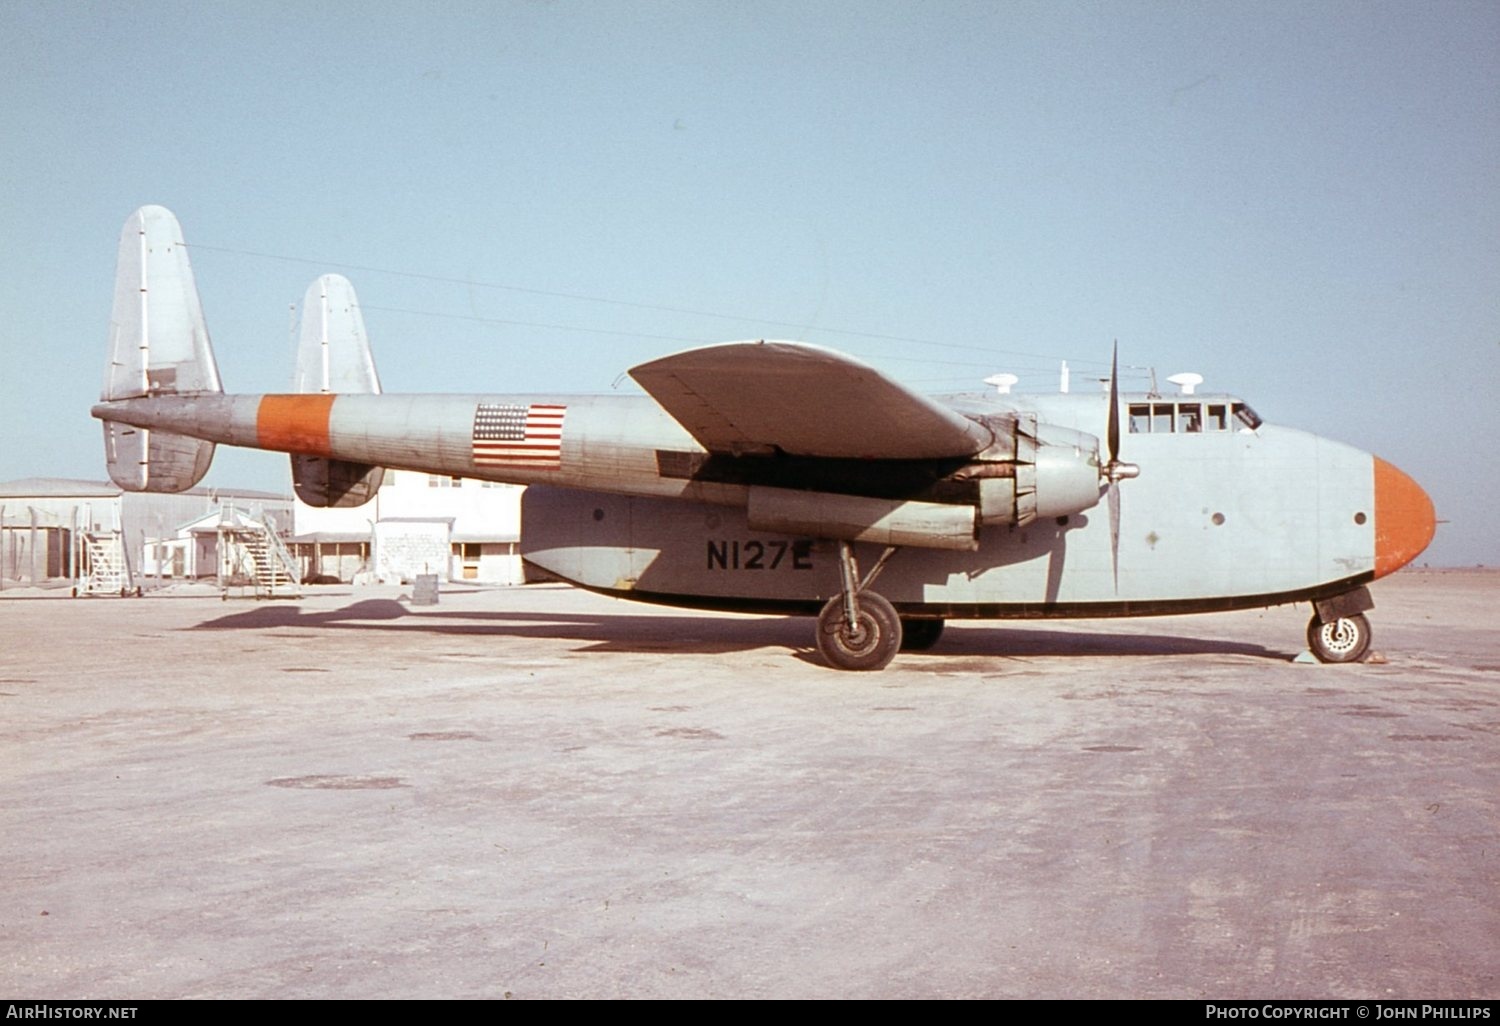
1275	512
755	475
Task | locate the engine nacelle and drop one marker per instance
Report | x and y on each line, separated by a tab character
928	525
1055	473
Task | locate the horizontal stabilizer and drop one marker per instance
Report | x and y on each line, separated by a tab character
158	345
764	397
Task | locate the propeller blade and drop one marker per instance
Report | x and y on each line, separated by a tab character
1114	532
1112	429
1112	436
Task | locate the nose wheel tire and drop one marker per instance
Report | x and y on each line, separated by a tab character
920	635
1345	640
870	644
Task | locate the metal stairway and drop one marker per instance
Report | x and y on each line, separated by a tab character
255	558
106	570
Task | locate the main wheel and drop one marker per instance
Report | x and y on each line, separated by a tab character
1344	640
873	641
920	635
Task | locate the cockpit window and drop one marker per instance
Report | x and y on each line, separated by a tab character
1190	418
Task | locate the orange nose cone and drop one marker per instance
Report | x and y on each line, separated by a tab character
1404	519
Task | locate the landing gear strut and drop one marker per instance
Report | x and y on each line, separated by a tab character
858	629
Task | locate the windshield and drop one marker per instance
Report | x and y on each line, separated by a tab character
1189	417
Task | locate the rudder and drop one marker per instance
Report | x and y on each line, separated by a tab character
158	345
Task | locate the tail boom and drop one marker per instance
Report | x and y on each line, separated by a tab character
432	433
610	443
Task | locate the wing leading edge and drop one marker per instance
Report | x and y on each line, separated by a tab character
746	398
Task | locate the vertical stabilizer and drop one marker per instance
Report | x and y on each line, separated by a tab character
333	351
333	357
158	345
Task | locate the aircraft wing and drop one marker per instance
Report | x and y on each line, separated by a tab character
758	397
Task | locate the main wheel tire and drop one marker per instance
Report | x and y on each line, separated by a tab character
1345	640
920	635
870	645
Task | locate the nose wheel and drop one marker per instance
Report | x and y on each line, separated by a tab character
1342	640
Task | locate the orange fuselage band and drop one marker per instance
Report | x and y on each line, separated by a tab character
294	423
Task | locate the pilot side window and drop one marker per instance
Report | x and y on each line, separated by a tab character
1189	418
1162	416
1140	418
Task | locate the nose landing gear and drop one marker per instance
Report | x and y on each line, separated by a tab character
1338	631
1343	640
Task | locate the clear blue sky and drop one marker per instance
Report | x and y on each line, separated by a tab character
1301	201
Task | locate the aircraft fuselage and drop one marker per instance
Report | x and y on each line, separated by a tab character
631	504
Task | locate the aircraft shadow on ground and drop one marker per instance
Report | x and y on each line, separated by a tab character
1030	641
710	635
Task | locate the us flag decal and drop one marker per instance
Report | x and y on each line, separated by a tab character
510	435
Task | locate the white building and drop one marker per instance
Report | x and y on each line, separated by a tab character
43	520
458	528
193	550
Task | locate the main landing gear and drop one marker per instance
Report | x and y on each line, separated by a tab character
1338	631
858	629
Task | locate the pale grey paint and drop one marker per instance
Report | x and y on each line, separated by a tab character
1288	502
747	397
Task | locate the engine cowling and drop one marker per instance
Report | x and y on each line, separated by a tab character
1052	471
